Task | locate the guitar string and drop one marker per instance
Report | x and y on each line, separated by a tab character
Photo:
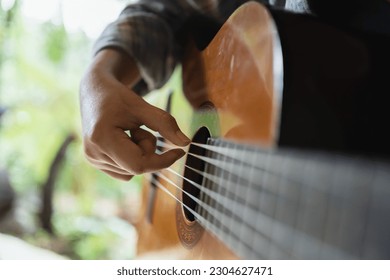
229	215
246	156
231	165
207	224
239	211
265	189
248	198
261	156
231	168
225	177
241	174
243	158
308	164
217	198
261	228
225	151
334	172
221	181
213	211
246	205
264	222
294	201
319	164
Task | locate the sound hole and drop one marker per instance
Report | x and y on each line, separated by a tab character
194	163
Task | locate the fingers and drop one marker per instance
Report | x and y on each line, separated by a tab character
117	175
125	157
111	169
141	158
165	124
106	117
107	165
144	139
156	162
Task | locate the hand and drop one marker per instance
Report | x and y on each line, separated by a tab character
109	108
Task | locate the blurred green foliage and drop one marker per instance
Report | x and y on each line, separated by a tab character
55	42
40	68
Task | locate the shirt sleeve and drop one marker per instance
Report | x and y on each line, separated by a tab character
147	30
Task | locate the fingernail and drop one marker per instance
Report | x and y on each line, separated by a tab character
181	154
183	138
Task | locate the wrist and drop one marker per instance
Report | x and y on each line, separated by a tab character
118	64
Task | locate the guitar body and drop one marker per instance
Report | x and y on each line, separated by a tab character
229	88
237	194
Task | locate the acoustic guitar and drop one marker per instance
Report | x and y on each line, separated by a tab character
237	194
